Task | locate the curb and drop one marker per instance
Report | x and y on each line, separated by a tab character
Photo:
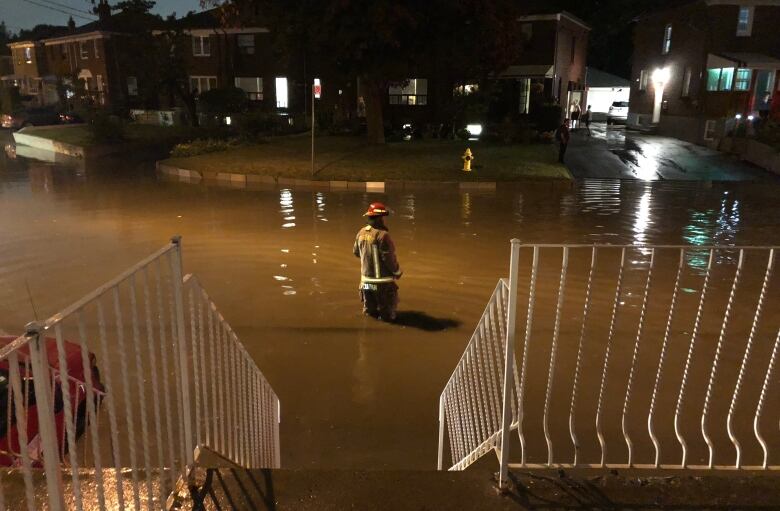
233	180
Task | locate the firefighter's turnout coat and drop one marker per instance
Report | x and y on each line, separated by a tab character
378	264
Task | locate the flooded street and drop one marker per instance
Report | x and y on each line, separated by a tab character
354	392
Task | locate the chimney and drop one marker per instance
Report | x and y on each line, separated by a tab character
71	24
103	10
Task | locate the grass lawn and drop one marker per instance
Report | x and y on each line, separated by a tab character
79	134
349	158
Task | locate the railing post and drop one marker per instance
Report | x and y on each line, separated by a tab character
44	404
178	296
509	358
440	462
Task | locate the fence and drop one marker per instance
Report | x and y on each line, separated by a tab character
632	356
153	371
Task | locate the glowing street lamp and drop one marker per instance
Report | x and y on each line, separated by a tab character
660	79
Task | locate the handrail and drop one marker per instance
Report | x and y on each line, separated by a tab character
658	280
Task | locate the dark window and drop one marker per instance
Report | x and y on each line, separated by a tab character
573	47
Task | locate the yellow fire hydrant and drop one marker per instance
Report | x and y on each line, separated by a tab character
467	159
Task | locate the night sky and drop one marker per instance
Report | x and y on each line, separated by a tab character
24	14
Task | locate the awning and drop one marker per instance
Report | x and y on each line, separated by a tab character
528	71
744	60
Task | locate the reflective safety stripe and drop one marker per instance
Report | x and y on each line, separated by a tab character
375	254
376	281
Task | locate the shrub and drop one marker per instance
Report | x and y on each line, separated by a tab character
769	134
104	127
222	102
10	99
202	146
546	117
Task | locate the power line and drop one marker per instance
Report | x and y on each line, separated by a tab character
52	2
59	10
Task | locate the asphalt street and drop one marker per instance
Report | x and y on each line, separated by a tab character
612	152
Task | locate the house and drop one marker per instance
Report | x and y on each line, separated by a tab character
703	67
602	90
31	72
550	69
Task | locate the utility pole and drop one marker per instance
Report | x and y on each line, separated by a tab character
316	91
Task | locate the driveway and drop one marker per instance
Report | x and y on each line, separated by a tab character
614	152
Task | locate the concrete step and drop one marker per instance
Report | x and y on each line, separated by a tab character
303	490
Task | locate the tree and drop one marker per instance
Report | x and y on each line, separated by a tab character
384	41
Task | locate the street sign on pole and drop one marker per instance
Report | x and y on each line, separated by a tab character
317	88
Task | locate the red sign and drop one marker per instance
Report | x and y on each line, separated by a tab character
317	88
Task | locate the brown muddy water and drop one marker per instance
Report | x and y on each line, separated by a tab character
356	393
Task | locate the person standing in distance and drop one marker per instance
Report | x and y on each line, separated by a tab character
379	268
562	135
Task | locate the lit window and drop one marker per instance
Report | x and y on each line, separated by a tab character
83	51
726	78
132	86
28	55
466	89
253	86
281	92
686	84
414	92
745	21
720	79
202	83
643	78
742	81
667	39
201	46
246	44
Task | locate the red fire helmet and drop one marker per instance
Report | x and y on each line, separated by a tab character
376	209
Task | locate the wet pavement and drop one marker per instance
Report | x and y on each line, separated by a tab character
613	152
355	393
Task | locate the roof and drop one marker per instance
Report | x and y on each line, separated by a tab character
529	71
749	60
598	78
553	16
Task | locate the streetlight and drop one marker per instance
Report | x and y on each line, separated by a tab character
660	79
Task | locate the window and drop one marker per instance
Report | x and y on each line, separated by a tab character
97	55
253	86
246	44
28	55
281	92
202	83
201	46
745	21
720	79
465	89
415	92
686	83
667	39
742	81
525	95
132	86
83	50
643	77
709	129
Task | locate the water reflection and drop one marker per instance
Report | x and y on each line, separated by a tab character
465	208
408	207
642	218
712	227
319	200
287	210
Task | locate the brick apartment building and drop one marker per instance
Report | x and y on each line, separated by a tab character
222	53
719	59
550	68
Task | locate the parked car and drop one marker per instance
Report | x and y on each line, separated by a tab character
618	112
42	116
10	449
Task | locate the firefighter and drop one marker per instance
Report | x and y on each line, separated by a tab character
379	268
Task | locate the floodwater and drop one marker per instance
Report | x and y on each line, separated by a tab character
355	393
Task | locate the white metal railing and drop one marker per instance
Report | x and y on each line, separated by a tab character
166	373
632	356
